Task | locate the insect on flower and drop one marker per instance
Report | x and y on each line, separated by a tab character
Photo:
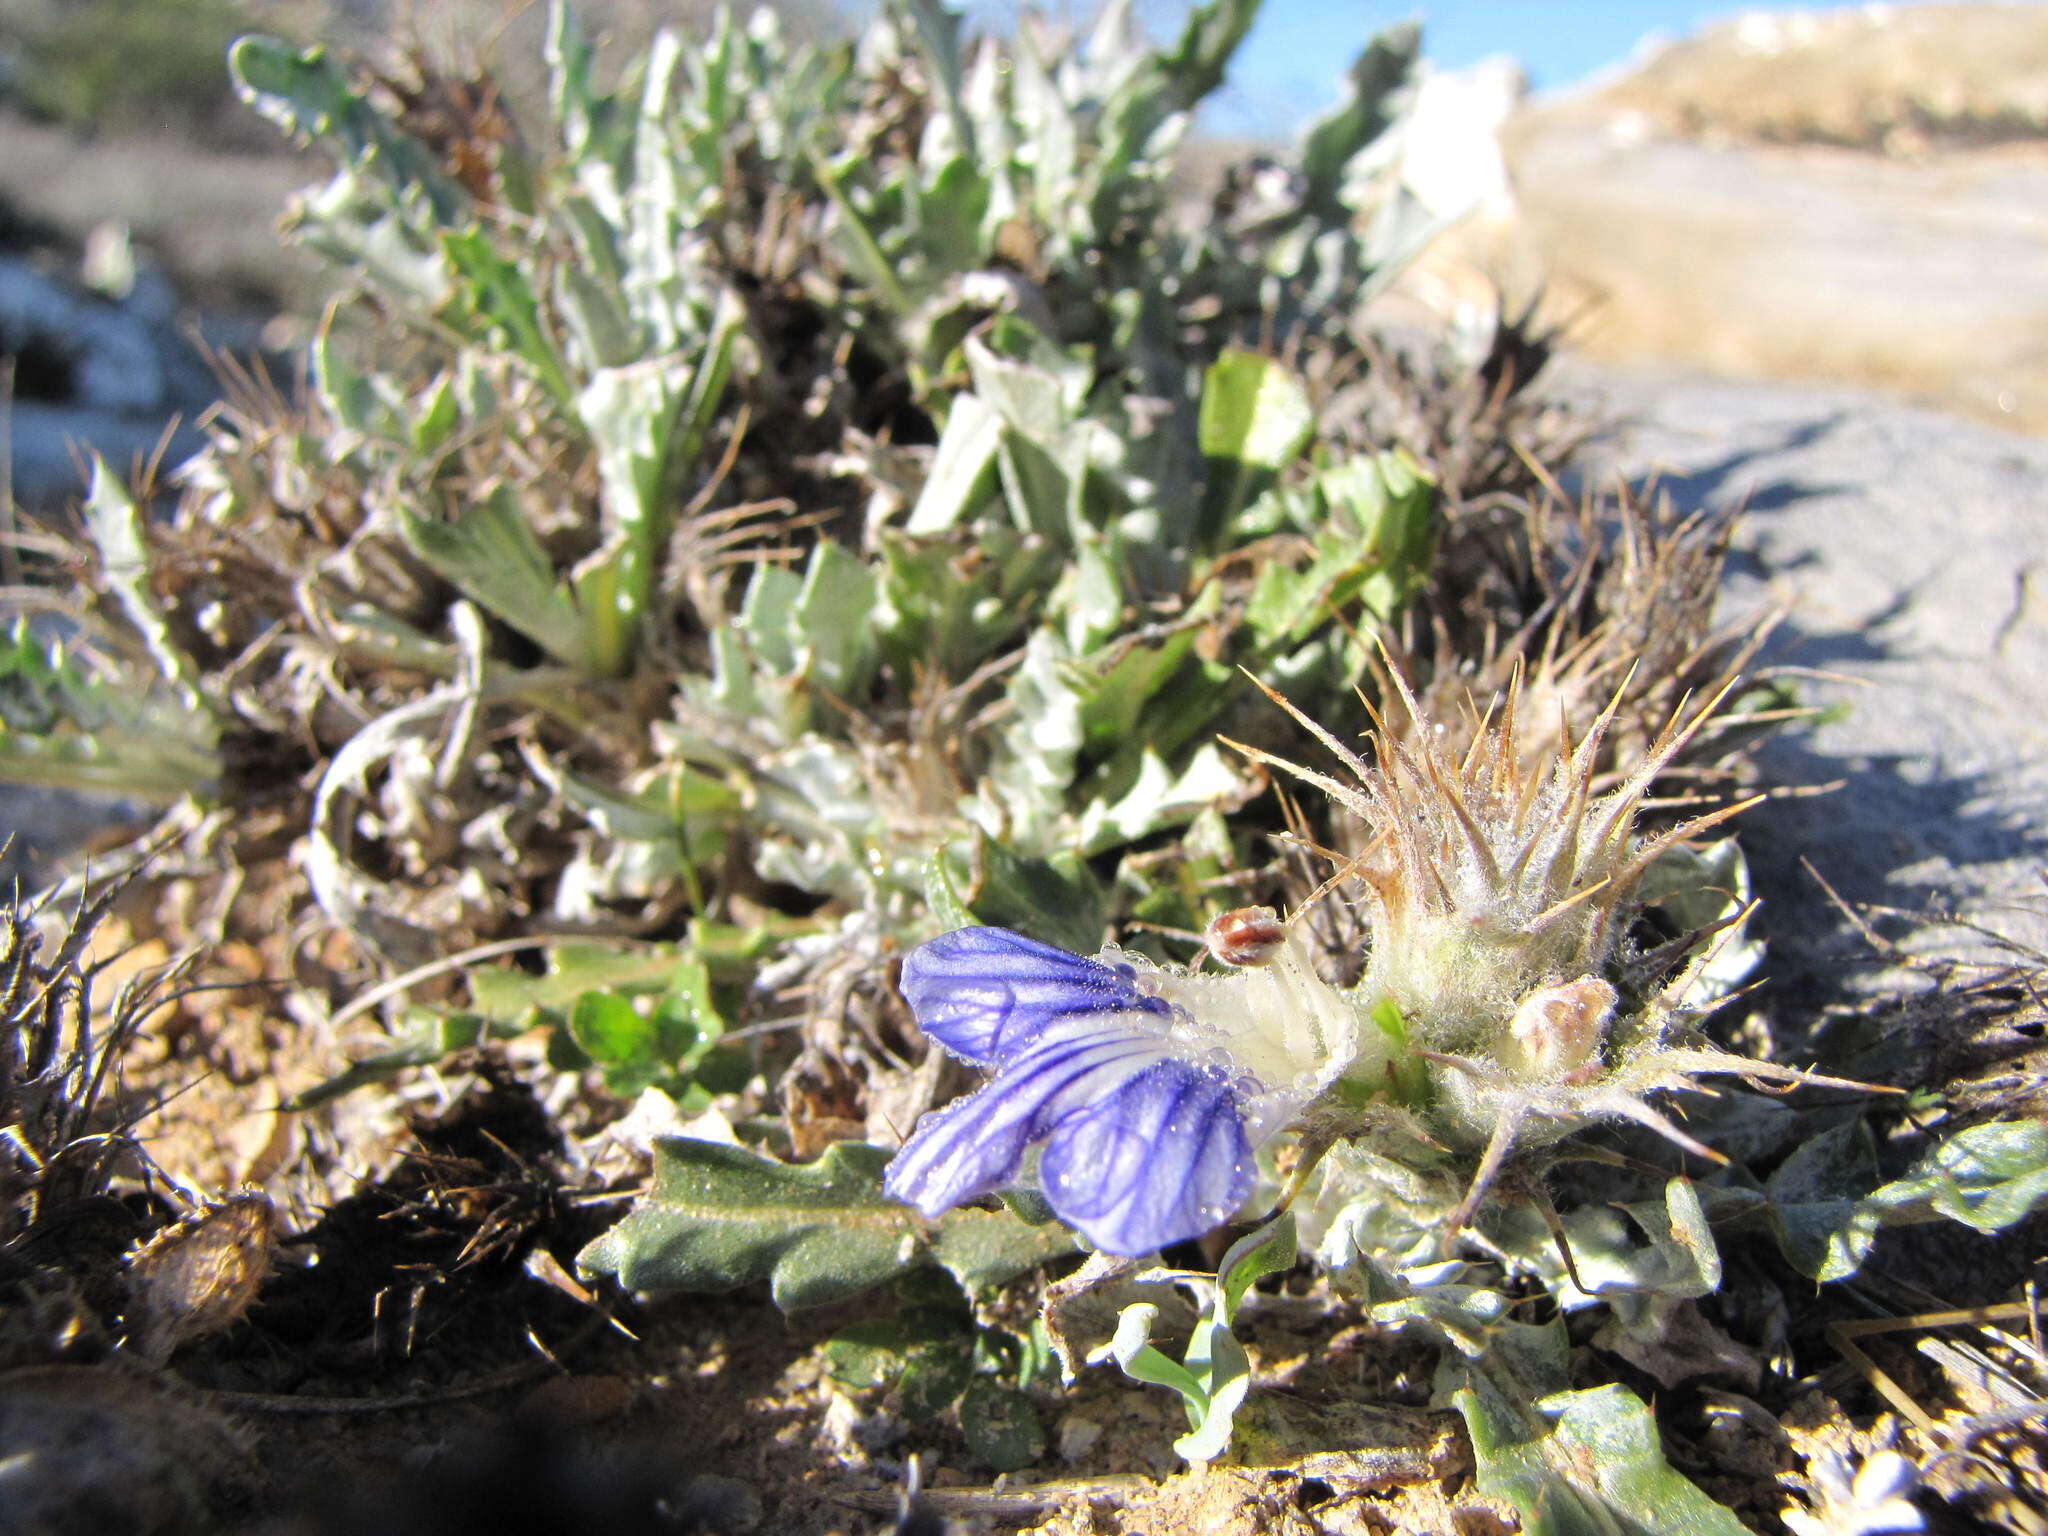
1145	1090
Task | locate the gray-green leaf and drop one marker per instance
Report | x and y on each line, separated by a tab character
720	1216
1986	1177
1255	419
1586	1462
1000	1425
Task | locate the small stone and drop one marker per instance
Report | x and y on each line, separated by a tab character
857	1437
723	1506
1077	1436
574	1400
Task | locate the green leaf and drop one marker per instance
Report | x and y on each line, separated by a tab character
595	317
986	1249
1585	1463
1208	41
933	1379
1000	1425
611	1030
70	718
1212	1382
767	617
1377	82
1816	1201
1055	900
425	1038
1220	1363
1271	1250
1289	603
567	53
858	237
866	1355
1254	411
310	98
435	416
1113	696
941	894
950	211
1388	504
115	524
962	469
490	555
1037	391
1986	1176
928	1357
937	27
646	420
493	291
1140	1359
834	615
1255	420
511	996
621	1040
686	1016
1158	797
1686	1260
720	1216
349	397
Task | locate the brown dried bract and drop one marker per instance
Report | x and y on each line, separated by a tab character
199	1275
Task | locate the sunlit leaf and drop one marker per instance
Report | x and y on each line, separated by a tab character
1255	420
1985	1176
719	1216
1585	1462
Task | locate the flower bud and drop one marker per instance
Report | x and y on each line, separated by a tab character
1246	936
1557	1030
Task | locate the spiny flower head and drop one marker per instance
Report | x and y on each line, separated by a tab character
1487	876
1500	887
1499	1005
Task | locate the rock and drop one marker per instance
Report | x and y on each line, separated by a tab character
1790	263
1913	552
1879	76
91	1450
1859	196
93	374
100	355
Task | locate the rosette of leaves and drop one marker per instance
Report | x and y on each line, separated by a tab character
477	610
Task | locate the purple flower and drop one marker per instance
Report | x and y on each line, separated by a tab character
1147	1109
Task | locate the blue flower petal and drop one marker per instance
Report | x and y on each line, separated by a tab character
977	1145
1163	1158
987	994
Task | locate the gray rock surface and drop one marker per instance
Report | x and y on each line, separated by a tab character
126	378
1912	550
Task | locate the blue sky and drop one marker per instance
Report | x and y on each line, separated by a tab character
1298	49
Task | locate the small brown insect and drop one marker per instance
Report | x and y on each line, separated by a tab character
1245	936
